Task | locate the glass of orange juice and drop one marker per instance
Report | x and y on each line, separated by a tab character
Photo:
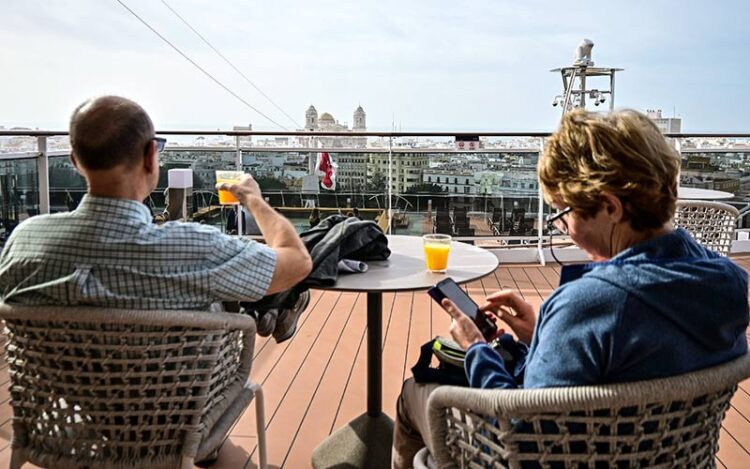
226	197
436	250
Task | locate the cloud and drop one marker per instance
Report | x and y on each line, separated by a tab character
433	64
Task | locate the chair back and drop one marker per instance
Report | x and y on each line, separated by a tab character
669	422
98	387
712	224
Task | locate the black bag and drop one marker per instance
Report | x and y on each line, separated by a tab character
451	357
447	372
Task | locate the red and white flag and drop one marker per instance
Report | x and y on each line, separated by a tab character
326	167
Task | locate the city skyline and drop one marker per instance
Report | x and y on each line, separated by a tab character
432	66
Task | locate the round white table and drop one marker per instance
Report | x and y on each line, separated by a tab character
694	193
366	441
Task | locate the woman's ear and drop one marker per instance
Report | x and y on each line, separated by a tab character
613	207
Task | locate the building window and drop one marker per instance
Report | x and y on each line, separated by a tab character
429	178
455	180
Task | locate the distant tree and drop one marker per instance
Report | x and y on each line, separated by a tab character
270	183
426	187
376	183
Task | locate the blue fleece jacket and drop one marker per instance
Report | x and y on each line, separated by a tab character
661	308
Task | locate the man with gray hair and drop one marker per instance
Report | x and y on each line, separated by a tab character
107	252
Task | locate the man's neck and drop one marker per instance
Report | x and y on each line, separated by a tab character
120	182
116	188
109	194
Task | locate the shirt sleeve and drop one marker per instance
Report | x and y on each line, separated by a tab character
240	270
485	368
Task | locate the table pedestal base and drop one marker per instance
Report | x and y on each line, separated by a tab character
365	442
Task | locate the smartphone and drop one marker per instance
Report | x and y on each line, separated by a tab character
450	289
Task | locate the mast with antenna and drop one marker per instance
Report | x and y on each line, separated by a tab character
576	83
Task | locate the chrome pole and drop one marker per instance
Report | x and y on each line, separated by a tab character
389	189
240	218
42	165
540	214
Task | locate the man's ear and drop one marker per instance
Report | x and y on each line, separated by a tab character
151	158
74	161
613	206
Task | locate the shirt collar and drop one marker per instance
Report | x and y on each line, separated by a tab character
107	207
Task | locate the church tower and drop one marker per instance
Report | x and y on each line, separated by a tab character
311	118
360	119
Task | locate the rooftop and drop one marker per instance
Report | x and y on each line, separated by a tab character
315	383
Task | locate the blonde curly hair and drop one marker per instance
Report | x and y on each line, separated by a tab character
622	153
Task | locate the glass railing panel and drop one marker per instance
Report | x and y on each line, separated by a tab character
720	170
284	175
494	183
487	186
25	143
19	193
291	183
17	144
287	185
312	140
715	164
58	143
718	164
66	185
465	187
202	203
515	144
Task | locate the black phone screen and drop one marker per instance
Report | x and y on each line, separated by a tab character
455	293
450	289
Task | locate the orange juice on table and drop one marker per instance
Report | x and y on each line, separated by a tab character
226	197
437	247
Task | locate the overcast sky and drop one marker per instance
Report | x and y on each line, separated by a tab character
425	64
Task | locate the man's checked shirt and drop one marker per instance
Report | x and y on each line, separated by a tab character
108	252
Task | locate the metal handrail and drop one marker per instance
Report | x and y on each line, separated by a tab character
250	133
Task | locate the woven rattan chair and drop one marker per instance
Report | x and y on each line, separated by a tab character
670	422
95	387
712	224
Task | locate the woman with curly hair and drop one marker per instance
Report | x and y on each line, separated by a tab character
653	303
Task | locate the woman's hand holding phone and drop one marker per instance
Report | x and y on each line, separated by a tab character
521	316
463	329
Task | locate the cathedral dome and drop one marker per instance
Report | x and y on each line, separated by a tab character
326	117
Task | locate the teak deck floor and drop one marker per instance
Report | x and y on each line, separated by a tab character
315	383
